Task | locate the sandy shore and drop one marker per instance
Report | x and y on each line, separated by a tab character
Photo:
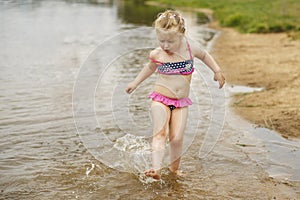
270	61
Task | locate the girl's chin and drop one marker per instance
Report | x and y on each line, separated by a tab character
168	52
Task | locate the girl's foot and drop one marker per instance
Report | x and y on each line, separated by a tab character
152	173
178	173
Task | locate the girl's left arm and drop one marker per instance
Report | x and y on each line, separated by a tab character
208	60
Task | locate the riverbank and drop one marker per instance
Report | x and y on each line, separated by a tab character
270	61
248	16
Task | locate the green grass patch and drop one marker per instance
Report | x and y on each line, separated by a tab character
249	16
294	35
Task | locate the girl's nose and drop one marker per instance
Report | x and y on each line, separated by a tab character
165	46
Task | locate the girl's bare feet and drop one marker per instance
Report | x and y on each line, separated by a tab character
152	173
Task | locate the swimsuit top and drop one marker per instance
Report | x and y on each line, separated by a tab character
176	68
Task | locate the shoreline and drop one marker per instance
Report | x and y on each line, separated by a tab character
266	61
263	108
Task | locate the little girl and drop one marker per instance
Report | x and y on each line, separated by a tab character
173	61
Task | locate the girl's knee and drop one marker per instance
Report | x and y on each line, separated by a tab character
162	134
159	140
176	140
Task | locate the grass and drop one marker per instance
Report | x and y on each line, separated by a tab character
249	16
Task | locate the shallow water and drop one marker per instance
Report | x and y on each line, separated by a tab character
68	130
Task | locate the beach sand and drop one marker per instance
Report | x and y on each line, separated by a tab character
270	61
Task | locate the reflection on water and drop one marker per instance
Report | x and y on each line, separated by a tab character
136	12
40	2
43	44
243	89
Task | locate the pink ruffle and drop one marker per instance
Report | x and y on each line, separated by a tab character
178	103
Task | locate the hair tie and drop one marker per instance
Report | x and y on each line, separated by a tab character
162	16
173	16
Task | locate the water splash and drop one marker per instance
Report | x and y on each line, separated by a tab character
88	170
135	151
133	144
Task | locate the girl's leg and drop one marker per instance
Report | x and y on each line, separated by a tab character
177	126
160	119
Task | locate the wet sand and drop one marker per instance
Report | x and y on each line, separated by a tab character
269	61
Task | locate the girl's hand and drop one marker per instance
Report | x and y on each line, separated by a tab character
130	87
219	77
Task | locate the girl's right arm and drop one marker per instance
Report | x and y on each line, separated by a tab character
209	61
144	74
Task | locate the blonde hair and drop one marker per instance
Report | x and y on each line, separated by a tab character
170	19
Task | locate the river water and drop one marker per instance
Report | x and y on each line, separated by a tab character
69	131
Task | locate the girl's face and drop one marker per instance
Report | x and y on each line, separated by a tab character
169	40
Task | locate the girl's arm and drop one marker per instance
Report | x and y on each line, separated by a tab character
207	59
144	74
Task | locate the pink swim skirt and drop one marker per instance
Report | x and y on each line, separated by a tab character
178	103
